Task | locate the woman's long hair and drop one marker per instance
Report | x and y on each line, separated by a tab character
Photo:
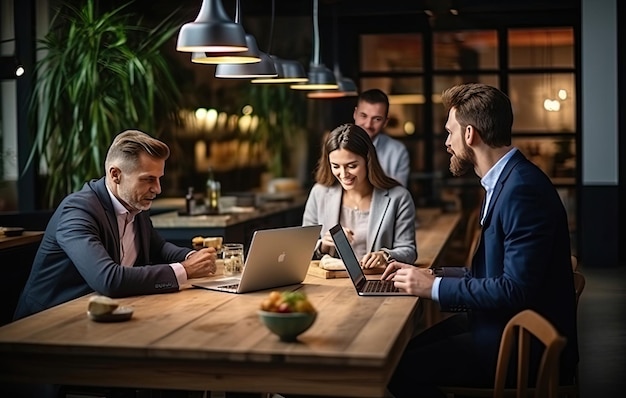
354	139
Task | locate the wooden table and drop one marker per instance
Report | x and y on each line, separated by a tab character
434	230
433	233
203	340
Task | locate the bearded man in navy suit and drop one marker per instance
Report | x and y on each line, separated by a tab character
523	259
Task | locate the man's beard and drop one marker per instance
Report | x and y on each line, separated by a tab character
461	163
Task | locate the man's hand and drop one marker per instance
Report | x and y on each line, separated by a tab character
411	279
200	263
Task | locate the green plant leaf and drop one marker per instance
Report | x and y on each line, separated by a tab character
102	73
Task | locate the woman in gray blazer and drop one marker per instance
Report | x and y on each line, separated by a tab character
376	212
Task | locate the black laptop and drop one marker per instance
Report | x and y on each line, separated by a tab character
363	286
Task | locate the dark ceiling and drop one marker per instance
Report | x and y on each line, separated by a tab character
359	7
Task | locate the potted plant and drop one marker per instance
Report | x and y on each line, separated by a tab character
282	114
102	73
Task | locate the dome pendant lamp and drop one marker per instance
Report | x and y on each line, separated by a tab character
288	71
264	68
251	56
320	77
212	31
346	86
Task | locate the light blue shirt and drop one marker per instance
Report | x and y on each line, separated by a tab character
488	182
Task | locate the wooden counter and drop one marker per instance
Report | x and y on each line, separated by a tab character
16	259
234	227
27	238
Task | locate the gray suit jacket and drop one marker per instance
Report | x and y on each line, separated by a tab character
80	254
393	157
391	224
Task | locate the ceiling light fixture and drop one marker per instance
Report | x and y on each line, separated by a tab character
288	71
265	68
251	56
320	77
212	32
346	87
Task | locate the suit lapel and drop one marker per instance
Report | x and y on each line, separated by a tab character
99	188
378	208
510	165
333	205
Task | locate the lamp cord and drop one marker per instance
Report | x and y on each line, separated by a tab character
269	45
335	41
316	36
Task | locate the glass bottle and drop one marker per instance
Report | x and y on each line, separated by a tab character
213	191
190	202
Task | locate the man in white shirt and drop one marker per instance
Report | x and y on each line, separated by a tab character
371	114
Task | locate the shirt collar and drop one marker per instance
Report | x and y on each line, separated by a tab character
491	177
120	210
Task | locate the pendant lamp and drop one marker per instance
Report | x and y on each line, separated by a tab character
251	56
212	31
346	86
320	77
288	71
264	68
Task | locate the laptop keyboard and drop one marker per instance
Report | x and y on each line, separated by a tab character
233	286
379	286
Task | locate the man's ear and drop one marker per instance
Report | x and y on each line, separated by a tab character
470	134
115	174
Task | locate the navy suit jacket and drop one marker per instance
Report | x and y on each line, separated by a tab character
80	254
523	261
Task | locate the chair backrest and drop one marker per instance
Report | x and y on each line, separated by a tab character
524	325
472	235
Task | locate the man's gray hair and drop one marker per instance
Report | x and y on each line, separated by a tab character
128	145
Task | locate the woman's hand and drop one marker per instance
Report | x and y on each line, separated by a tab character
373	260
328	243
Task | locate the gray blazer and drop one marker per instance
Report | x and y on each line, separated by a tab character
80	254
391	224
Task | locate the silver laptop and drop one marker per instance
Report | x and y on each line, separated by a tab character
363	286
277	257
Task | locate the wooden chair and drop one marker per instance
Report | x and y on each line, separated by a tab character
565	390
522	326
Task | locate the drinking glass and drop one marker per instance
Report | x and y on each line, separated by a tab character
232	254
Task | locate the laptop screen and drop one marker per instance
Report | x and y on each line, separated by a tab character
347	255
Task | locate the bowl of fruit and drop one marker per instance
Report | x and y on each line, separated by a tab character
287	314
